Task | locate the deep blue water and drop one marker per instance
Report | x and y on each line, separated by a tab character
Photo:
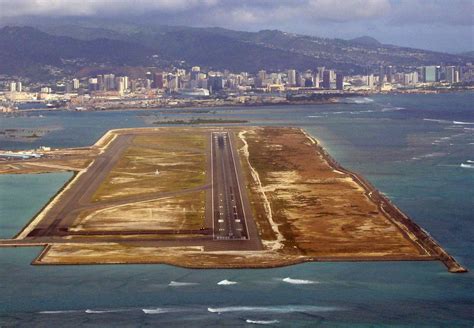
410	146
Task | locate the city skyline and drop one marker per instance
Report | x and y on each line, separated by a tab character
440	25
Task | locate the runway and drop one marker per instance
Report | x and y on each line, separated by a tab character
229	217
229	220
82	191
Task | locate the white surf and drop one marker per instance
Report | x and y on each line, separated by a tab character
226	282
299	281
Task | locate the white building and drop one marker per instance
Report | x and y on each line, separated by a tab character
292	77
75	84
452	75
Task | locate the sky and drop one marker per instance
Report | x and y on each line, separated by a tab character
441	25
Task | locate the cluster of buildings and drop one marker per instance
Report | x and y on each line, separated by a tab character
198	83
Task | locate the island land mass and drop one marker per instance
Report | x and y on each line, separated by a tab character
215	197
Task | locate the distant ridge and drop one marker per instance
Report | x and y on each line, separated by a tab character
37	52
366	40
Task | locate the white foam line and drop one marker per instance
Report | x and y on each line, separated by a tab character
274	309
226	282
299	281
262	322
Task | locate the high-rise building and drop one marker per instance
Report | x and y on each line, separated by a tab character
122	84
430	74
75	84
370	81
321	71
414	78
173	82
19	86
93	84
339	81
452	75
125	81
195	70
109	82
389	72
133	85
291	77
158	80
215	83
327	79
12	86
100	82
316	80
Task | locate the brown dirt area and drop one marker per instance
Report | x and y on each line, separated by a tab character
305	208
320	211
185	212
168	160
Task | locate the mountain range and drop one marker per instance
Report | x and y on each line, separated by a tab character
46	51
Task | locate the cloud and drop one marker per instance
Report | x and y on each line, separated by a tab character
433	12
244	10
438	24
12	8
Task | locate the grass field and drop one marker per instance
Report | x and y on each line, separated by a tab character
183	212
320	211
160	162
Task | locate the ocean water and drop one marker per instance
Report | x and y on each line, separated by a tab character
23	195
410	146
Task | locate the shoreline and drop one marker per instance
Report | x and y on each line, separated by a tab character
327	101
403	223
394	214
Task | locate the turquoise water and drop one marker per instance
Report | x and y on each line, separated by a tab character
22	196
410	146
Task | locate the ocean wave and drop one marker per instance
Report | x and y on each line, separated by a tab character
299	281
467	166
59	312
313	116
262	322
470	161
89	311
364	100
155	311
392	109
430	155
463	123
274	309
437	121
181	284
226	282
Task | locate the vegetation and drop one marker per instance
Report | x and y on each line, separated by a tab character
202	121
162	162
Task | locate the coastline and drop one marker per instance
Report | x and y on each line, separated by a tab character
405	225
393	213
